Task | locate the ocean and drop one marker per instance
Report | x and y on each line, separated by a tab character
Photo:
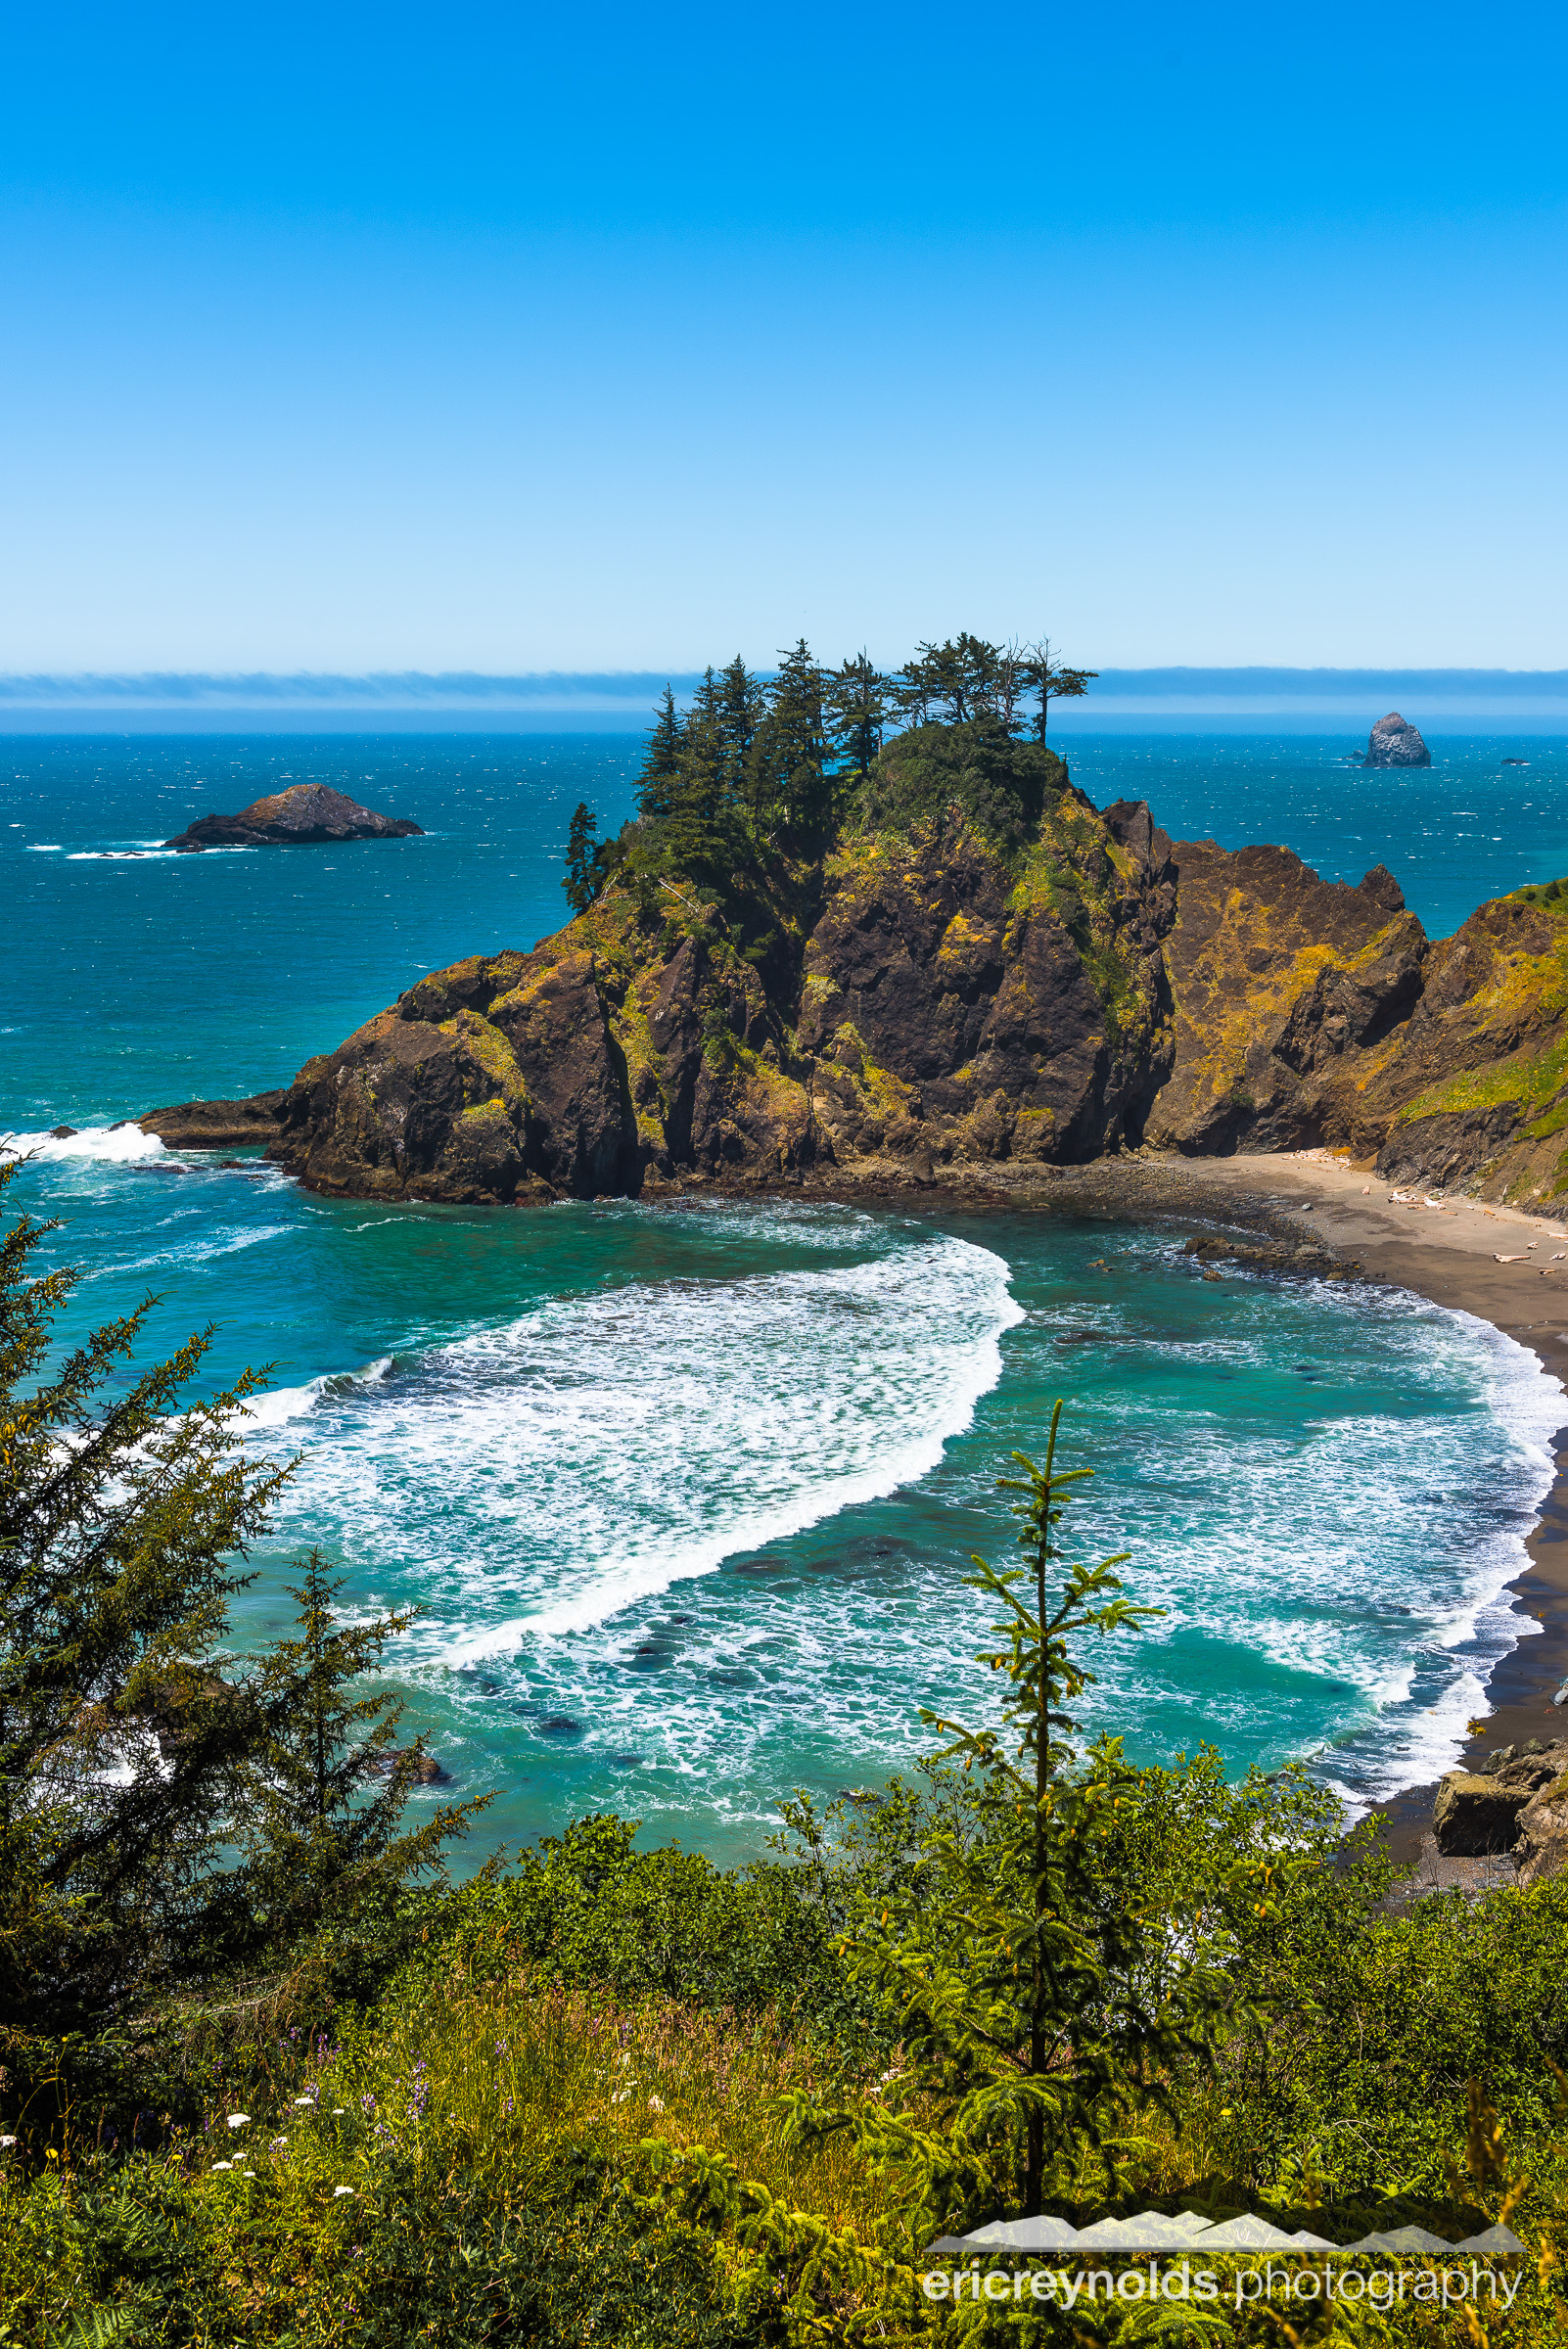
687	1495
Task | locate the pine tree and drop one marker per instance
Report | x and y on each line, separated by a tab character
123	1506
1049	677
742	707
662	763
130	1770
584	860
1033	2014
860	699
326	1791
789	783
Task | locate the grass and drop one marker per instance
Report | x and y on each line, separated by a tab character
463	2119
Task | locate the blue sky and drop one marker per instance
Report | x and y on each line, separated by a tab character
514	340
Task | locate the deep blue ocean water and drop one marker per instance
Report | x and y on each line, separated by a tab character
687	1494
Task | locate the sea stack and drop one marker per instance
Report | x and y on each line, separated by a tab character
1394	742
304	815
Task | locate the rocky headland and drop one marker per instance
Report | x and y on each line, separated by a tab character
307	815
967	974
1394	742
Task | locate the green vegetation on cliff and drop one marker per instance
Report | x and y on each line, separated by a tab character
754	767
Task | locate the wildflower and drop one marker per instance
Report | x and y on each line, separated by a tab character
238	2120
223	2165
656	2104
337	2112
6	2143
368	2103
341	2190
273	2142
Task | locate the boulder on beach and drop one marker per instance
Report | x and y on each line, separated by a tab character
1483	1811
1542	1847
304	815
1394	742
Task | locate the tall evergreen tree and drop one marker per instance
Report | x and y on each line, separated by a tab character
127	1763
790	784
583	861
860	700
1051	679
326	1791
662	763
742	707
123	1506
1036	2004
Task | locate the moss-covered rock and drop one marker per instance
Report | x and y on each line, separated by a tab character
1477	1090
1285	986
982	966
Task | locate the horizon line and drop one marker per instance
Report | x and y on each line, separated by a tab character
1185	681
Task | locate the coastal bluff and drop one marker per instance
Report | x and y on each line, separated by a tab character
933	995
304	815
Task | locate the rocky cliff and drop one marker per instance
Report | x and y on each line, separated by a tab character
1394	742
964	978
305	814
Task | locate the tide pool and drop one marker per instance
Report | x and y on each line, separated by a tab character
687	1494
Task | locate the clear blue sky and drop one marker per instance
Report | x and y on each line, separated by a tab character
521	338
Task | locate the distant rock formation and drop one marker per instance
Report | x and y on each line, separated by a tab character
305	814
1394	742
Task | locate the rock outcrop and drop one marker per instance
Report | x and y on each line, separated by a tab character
1475	1091
1281	983
1541	1848
982	967
217	1124
949	1001
304	815
1394	742
1487	1810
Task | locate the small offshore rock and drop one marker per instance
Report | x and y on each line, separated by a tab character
1394	742
307	815
1308	1257
428	1771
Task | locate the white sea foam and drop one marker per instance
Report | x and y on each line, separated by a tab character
607	1446
106	1146
280	1405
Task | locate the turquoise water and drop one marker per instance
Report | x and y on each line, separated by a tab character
687	1494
